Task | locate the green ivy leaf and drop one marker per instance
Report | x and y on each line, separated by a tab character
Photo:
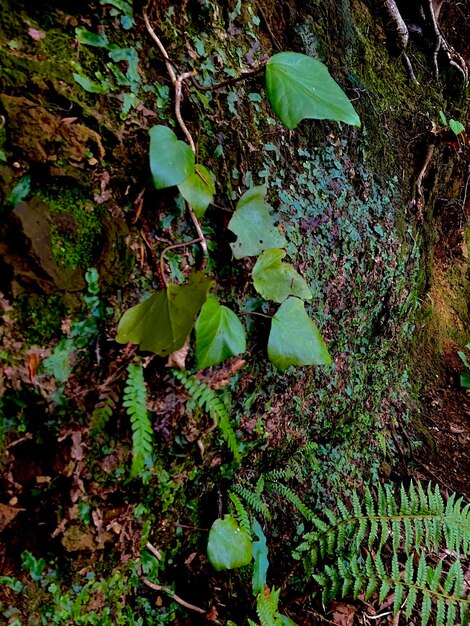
91	39
465	380
20	191
260	556
229	546
254	226
219	334
90	85
294	338
129	56
171	160
456	127
275	280
162	323
301	87
198	190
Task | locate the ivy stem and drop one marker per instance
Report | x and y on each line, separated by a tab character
269	317
177	81
202	239
230	81
172	247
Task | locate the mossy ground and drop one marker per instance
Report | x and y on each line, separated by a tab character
342	198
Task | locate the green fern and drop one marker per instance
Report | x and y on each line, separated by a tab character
103	411
293	498
241	513
207	400
267	609
380	545
135	401
253	499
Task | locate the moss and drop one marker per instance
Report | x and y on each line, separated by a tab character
76	231
40	316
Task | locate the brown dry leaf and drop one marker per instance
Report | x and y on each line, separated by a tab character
212	615
178	358
75	539
36	34
7	514
343	614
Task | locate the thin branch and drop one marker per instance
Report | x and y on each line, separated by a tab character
172	247
151	548
174	597
230	81
160	46
176	81
269	317
178	96
202	239
273	38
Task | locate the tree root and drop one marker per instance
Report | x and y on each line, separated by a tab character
429	11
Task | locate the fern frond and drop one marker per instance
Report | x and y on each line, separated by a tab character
410	526
241	513
253	499
135	402
266	608
208	401
103	412
288	494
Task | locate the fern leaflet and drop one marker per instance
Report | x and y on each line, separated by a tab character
207	400
411	526
135	402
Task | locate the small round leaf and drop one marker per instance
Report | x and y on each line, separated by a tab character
229	546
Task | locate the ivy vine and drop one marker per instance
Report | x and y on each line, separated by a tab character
297	87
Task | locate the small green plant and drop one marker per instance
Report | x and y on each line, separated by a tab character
208	400
82	333
231	545
298	87
455	126
135	402
465	376
383	545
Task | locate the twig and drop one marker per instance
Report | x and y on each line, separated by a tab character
174	597
255	313
273	38
230	81
176	81
173	246
160	46
202	239
373	617
178	95
151	548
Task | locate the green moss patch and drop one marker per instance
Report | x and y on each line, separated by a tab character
75	229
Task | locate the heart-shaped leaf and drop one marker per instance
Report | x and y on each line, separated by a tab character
294	338
275	280
171	160
219	334
301	87
456	127
162	323
198	190
229	546
253	225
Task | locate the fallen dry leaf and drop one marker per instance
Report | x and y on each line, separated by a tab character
343	614
7	514
36	34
